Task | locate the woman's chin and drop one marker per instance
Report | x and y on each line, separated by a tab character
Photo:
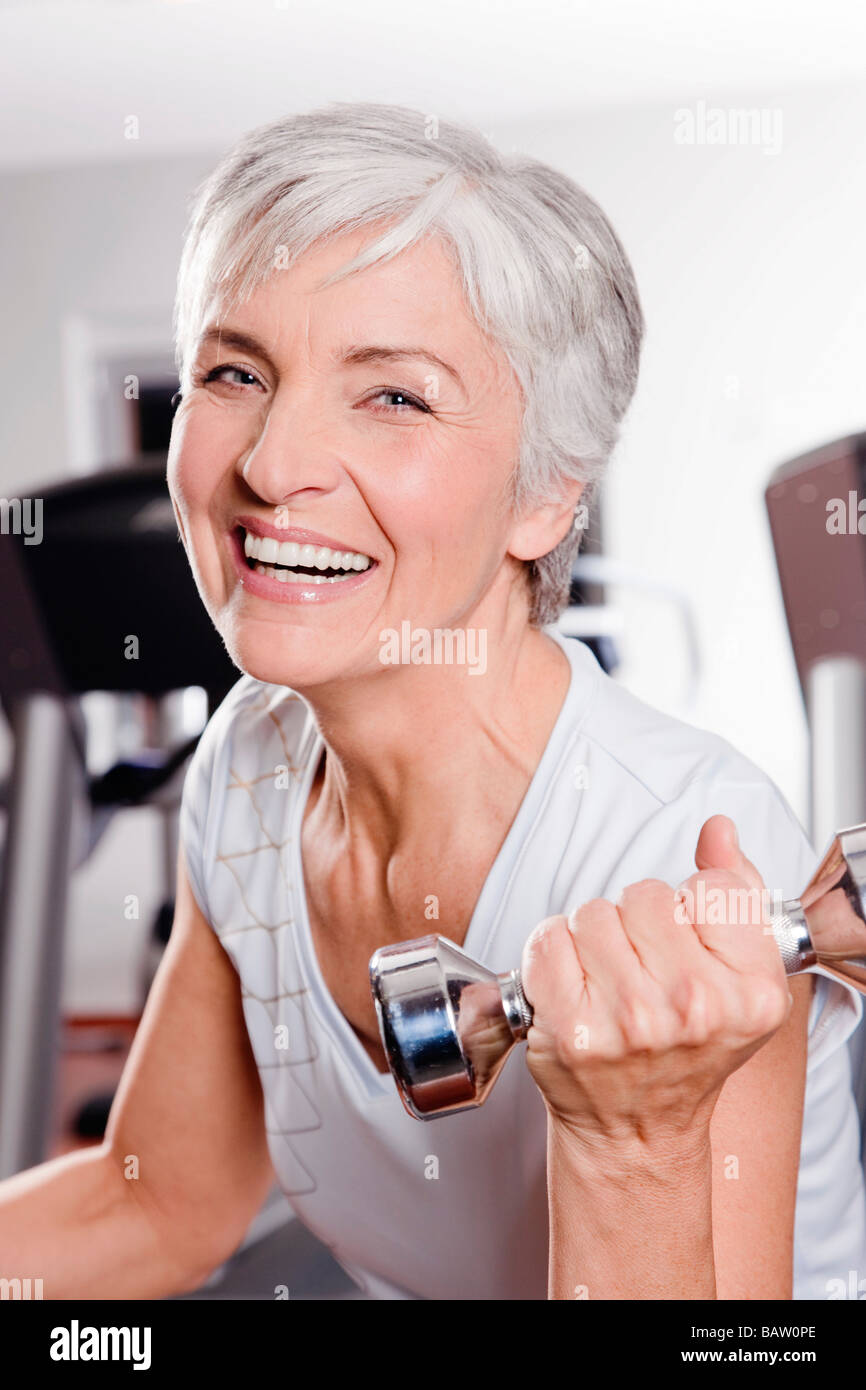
289	660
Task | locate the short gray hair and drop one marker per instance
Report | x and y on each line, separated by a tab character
542	271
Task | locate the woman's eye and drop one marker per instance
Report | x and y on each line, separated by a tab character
403	399
399	401
218	374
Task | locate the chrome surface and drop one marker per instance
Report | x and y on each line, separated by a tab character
448	1023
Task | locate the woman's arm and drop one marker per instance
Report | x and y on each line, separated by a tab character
641	1016
755	1134
632	1223
709	1218
184	1166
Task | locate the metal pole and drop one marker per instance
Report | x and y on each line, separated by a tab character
33	896
836	711
171	730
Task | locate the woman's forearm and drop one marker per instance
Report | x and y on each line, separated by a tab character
72	1227
630	1225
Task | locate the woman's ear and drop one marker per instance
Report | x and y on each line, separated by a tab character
540	530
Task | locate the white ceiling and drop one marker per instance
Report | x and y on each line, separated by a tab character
196	72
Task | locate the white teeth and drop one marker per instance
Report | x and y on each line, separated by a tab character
269	551
292	577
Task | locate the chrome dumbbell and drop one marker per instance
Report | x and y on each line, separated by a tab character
448	1023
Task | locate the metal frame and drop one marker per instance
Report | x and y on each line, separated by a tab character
44	788
836	713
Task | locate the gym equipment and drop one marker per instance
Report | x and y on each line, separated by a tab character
818	529
819	537
448	1023
600	623
108	567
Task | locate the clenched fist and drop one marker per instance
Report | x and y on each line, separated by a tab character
641	1012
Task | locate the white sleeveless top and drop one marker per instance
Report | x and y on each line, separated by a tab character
456	1208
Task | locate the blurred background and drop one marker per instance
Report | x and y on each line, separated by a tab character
725	143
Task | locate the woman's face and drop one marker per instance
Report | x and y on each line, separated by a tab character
394	469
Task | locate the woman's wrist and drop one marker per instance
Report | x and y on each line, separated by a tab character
626	1157
630	1217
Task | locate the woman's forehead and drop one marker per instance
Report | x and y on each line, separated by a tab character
409	306
420	279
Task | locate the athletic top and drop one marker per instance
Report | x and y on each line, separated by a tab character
456	1207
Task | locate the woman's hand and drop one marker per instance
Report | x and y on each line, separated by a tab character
642	1012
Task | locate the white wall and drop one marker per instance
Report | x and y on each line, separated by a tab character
96	240
749	266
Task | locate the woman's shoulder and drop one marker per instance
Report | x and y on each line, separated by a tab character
250	757
664	752
652	779
252	716
259	733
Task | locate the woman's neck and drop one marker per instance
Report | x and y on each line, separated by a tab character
421	751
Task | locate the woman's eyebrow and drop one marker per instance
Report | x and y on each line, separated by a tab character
233	337
376	353
351	356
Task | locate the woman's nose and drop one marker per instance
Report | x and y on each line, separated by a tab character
293	452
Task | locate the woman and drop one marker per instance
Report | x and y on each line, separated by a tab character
404	362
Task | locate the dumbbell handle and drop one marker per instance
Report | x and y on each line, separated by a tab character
789	927
448	1022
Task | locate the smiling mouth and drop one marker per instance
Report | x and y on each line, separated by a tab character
292	563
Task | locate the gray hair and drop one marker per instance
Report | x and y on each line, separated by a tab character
542	271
